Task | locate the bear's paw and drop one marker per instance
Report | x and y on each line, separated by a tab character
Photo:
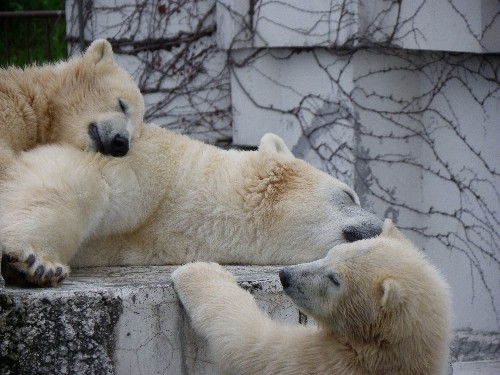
38	270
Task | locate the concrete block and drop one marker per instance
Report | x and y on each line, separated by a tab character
128	320
440	25
115	321
474	368
2	281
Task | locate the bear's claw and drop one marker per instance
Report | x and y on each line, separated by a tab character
31	260
37	270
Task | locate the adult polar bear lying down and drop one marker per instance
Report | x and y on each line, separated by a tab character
172	200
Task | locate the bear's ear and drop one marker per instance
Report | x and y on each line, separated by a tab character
100	52
390	230
392	294
272	143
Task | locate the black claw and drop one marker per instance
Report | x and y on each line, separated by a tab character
58	272
39	271
49	274
61	278
31	260
21	271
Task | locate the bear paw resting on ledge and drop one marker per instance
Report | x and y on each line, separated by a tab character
172	200
381	308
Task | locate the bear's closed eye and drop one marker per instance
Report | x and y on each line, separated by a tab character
334	278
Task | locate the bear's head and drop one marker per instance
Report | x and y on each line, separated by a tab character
383	297
97	105
302	209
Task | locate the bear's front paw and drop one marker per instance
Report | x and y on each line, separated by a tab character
35	269
194	282
201	272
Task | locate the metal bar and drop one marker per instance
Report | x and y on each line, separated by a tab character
6	40
81	32
33	14
47	28
27	39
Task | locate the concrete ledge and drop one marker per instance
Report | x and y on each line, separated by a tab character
474	368
114	321
127	320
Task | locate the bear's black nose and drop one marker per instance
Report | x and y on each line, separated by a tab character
284	278
118	146
361	232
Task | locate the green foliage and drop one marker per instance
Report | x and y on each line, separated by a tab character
33	40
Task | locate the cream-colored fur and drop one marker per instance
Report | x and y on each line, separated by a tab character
59	103
169	201
381	308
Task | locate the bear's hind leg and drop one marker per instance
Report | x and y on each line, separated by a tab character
51	198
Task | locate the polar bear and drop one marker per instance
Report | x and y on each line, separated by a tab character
172	200
380	308
88	102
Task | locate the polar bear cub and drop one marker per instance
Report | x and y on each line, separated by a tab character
87	102
381	308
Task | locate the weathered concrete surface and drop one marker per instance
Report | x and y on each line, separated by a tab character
69	333
127	320
2	281
114	321
469	345
474	368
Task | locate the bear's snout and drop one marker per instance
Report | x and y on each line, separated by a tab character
118	146
362	232
284	278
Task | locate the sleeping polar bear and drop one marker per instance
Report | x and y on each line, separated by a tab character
171	200
88	102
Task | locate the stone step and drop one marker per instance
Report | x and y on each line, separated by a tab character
128	320
121	320
475	368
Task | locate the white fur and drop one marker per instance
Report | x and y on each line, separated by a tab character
389	314
57	103
172	200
